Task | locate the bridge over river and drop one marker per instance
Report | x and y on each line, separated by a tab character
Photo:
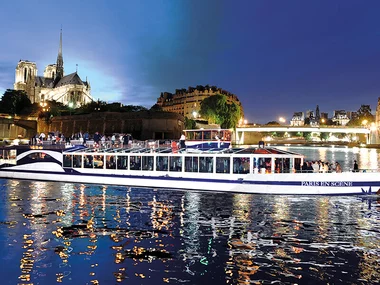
12	127
369	134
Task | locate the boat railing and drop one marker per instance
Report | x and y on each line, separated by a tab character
10	161
333	171
364	170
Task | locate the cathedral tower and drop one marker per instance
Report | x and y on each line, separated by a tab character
25	70
59	73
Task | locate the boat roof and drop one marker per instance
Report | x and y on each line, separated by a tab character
246	150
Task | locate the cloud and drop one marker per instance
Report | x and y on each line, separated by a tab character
7	75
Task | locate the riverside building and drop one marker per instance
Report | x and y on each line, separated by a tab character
187	102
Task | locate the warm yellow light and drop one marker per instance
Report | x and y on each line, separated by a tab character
364	122
281	119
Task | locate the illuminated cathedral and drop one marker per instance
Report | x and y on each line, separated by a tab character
54	85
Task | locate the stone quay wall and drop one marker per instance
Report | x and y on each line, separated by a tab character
142	125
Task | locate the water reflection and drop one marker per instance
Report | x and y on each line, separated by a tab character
87	234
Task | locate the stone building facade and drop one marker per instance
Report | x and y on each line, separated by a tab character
54	84
187	101
340	117
298	119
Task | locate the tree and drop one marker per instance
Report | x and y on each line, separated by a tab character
189	124
156	108
216	110
364	115
15	102
132	108
272	123
231	118
306	135
324	136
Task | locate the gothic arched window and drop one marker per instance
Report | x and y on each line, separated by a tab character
25	74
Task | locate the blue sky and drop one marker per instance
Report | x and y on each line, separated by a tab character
278	57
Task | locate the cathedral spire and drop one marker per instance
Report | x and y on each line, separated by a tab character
60	59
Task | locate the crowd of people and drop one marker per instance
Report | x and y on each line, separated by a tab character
121	140
323	166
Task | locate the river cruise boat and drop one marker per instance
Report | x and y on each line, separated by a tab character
257	170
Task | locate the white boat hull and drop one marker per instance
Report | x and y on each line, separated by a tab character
281	184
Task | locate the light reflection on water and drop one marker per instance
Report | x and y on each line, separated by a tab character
75	234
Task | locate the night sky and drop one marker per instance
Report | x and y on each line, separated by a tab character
278	57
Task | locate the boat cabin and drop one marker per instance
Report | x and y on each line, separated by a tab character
226	161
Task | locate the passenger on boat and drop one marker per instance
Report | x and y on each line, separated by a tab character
304	166
338	167
182	144
326	167
97	138
174	147
310	167
356	166
315	166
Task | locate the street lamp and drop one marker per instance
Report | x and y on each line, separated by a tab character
44	106
70	107
282	120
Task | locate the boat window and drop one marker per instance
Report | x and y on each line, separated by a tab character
298	167
191	164
122	162
241	165
162	163
12	154
8	154
135	163
175	163
206	164
68	160
147	162
223	165
39	156
207	135
77	161
267	163
87	161
110	161
282	165
98	161
226	135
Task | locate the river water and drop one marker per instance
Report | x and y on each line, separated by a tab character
64	233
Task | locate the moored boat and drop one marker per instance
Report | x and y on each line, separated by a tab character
260	170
